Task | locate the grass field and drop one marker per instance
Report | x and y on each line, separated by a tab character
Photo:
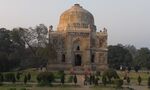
32	85
134	76
28	87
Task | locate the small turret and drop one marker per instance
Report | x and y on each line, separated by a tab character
50	28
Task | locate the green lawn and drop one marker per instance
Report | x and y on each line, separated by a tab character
23	87
133	75
20	86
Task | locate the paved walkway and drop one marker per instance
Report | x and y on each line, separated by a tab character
137	87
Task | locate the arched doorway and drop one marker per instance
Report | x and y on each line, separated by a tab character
78	60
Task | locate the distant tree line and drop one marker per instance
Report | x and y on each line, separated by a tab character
127	57
25	48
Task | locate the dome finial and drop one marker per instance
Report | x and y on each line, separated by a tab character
76	4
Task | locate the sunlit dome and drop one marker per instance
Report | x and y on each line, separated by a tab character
76	16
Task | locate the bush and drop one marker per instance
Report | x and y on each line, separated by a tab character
104	81
58	74
139	80
10	77
25	79
12	89
128	80
109	74
118	83
18	76
98	73
75	79
45	78
29	76
70	79
1	79
63	79
148	82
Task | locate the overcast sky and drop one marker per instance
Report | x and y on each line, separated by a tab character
127	21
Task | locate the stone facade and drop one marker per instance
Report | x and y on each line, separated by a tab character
79	47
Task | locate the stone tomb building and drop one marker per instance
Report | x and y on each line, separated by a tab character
79	47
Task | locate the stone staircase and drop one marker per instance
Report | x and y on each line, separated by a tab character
79	70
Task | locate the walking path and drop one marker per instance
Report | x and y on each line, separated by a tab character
137	87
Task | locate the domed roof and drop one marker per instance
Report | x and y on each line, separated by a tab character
76	16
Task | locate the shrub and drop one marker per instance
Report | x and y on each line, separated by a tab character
98	73
128	80
29	76
118	83
75	79
18	76
10	77
63	79
109	74
104	81
45	78
70	79
25	79
96	81
58	74
139	80
148	82
1	79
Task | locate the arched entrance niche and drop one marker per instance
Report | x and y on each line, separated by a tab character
78	60
77	52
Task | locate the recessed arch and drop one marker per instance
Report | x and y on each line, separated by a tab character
76	44
92	58
63	58
78	60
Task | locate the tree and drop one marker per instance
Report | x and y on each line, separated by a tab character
41	35
96	80
5	42
28	38
11	48
1	79
4	62
85	79
90	79
104	80
25	79
33	45
5	49
75	79
18	76
128	80
132	49
148	82
139	80
142	58
63	79
29	76
118	55
13	79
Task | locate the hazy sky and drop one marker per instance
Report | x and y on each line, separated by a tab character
127	21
